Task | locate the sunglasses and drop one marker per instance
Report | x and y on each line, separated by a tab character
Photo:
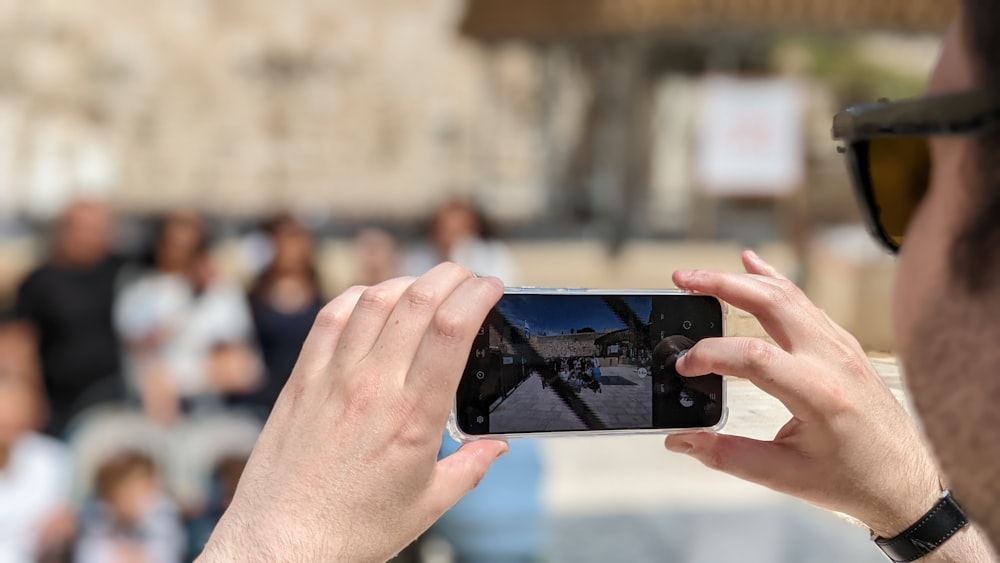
888	155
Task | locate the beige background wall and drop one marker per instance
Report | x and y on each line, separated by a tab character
327	106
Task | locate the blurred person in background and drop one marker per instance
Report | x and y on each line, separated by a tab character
131	520
284	301
19	356
502	520
187	330
377	255
67	303
459	232
377	259
225	476
36	517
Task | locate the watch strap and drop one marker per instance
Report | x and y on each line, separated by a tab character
933	529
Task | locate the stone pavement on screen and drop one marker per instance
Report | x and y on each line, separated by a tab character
624	402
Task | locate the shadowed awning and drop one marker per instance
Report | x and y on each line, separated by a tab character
560	19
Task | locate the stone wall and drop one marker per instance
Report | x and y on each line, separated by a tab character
562	346
244	106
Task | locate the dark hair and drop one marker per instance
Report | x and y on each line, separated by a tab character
485	229
160	226
227	473
274	223
270	275
113	471
976	254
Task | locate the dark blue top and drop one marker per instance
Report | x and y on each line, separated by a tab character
280	336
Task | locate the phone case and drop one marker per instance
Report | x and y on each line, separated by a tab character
456	433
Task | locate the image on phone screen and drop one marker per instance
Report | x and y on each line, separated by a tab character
569	362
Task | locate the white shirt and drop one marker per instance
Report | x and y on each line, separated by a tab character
158	534
33	486
483	258
192	325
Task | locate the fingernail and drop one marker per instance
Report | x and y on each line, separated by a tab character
495	281
503	452
680	446
683	273
679	360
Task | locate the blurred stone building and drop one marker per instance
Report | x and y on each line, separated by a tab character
382	109
561	118
244	106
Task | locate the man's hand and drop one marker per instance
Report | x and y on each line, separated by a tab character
346	469
850	446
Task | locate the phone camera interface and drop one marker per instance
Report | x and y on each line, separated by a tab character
550	363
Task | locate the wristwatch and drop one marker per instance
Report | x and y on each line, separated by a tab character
933	529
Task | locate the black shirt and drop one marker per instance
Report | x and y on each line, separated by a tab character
71	310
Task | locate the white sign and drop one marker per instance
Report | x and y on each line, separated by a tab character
751	137
613	349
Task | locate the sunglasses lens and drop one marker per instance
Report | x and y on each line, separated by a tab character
899	171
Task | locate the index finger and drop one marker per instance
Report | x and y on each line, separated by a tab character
781	307
444	349
768	367
317	349
399	339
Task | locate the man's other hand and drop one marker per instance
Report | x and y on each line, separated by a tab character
850	446
346	468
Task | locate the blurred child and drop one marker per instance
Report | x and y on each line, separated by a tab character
131	520
225	477
35	519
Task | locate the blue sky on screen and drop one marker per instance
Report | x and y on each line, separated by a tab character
561	314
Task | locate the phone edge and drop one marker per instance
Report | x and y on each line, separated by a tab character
457	435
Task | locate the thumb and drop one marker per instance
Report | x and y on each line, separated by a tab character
765	463
459	473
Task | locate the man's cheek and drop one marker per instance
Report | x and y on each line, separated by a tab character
923	265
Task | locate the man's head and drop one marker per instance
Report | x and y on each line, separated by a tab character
181	238
947	312
83	235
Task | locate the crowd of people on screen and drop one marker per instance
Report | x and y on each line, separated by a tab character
579	372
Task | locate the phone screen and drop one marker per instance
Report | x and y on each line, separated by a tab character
570	362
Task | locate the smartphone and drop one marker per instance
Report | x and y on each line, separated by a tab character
572	361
